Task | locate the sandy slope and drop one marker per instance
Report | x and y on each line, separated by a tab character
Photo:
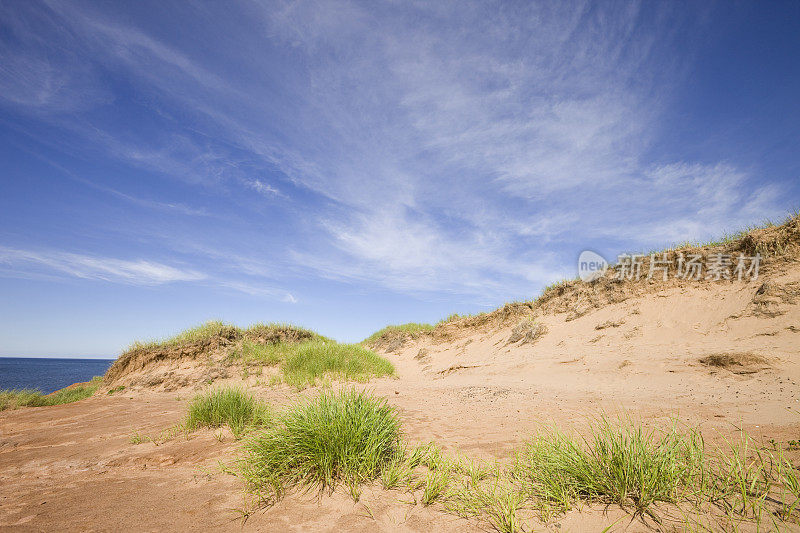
73	466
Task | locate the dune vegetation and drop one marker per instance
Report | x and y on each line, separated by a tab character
345	437
302	356
14	398
307	362
773	241
303	364
353	438
411	329
214	329
232	407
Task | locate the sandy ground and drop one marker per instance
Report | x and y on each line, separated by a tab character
74	467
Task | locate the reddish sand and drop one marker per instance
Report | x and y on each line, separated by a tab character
73	467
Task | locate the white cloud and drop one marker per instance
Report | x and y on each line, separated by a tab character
49	264
701	201
457	148
262	188
34	79
137	272
259	290
405	252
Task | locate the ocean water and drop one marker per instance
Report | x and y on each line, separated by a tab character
48	375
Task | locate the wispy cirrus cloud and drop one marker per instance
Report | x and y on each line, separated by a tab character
262	188
254	289
440	148
137	272
469	146
50	264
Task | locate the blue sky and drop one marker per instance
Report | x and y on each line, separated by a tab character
345	165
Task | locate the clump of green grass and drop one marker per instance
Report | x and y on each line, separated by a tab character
344	436
307	362
435	486
14	398
74	393
265	354
274	332
788	481
411	329
304	363
623	464
751	481
398	471
230	407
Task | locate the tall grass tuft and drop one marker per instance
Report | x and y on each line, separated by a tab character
230	407
346	437
622	464
307	362
302	364
264	354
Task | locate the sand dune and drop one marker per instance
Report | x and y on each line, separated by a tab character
722	356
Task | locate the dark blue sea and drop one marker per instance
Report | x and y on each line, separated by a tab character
48	375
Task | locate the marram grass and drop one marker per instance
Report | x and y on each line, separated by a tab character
310	361
339	437
352	438
230	407
412	329
303	364
14	398
621	463
217	328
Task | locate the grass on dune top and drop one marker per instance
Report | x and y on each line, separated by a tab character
303	355
304	363
412	329
11	399
206	339
769	239
270	332
393	335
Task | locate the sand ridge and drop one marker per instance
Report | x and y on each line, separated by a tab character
717	355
